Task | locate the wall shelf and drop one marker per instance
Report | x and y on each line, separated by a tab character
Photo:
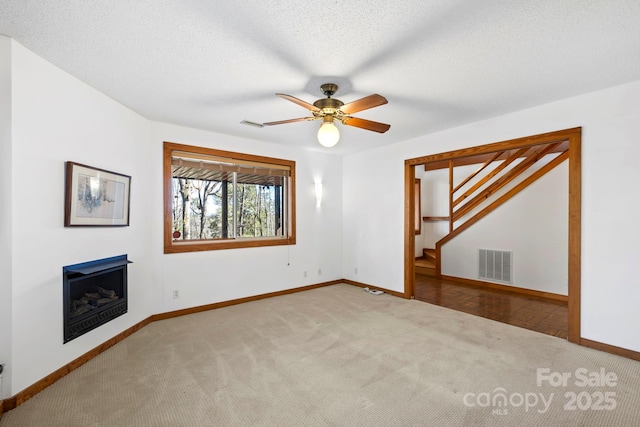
435	218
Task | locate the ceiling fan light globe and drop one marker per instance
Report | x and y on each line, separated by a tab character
328	134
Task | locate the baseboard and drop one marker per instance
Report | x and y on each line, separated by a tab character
364	285
32	390
37	387
213	306
607	348
498	286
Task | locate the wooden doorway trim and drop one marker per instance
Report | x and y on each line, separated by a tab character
574	138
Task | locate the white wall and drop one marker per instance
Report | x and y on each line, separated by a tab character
533	225
373	223
57	118
434	186
5	212
214	276
373	200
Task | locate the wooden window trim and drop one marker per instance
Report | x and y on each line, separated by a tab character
170	246
418	206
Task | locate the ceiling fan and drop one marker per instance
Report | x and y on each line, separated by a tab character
329	109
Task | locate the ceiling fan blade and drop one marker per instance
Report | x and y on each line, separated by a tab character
366	124
281	122
300	102
364	104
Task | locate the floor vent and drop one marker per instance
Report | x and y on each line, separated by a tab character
495	265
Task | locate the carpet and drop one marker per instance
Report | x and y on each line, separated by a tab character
338	356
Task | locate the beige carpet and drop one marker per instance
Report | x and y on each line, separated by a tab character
338	356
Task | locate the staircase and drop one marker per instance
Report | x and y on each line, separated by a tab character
484	190
426	264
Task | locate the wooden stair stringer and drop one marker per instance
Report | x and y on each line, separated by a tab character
494	205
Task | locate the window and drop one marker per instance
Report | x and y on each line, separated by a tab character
221	200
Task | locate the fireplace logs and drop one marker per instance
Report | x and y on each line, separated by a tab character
91	300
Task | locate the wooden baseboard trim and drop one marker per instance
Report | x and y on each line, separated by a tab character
364	285
32	390
207	307
618	351
37	387
531	292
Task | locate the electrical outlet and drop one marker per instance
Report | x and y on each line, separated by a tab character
319	272
176	294
355	270
305	273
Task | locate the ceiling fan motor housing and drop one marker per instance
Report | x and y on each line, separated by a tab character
328	104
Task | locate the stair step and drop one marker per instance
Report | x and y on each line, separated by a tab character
427	271
429	254
424	262
427	263
425	266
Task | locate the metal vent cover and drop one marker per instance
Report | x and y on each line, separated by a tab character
495	265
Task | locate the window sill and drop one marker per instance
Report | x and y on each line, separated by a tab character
199	245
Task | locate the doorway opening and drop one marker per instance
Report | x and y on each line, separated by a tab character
571	139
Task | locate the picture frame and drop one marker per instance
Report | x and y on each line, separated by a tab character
95	197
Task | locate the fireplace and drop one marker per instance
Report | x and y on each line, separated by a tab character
94	293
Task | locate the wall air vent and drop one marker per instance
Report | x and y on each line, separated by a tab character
250	123
495	265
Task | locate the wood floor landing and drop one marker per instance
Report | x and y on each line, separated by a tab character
537	314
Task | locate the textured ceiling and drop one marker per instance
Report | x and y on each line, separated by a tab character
211	64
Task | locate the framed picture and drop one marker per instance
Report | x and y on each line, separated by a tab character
95	197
